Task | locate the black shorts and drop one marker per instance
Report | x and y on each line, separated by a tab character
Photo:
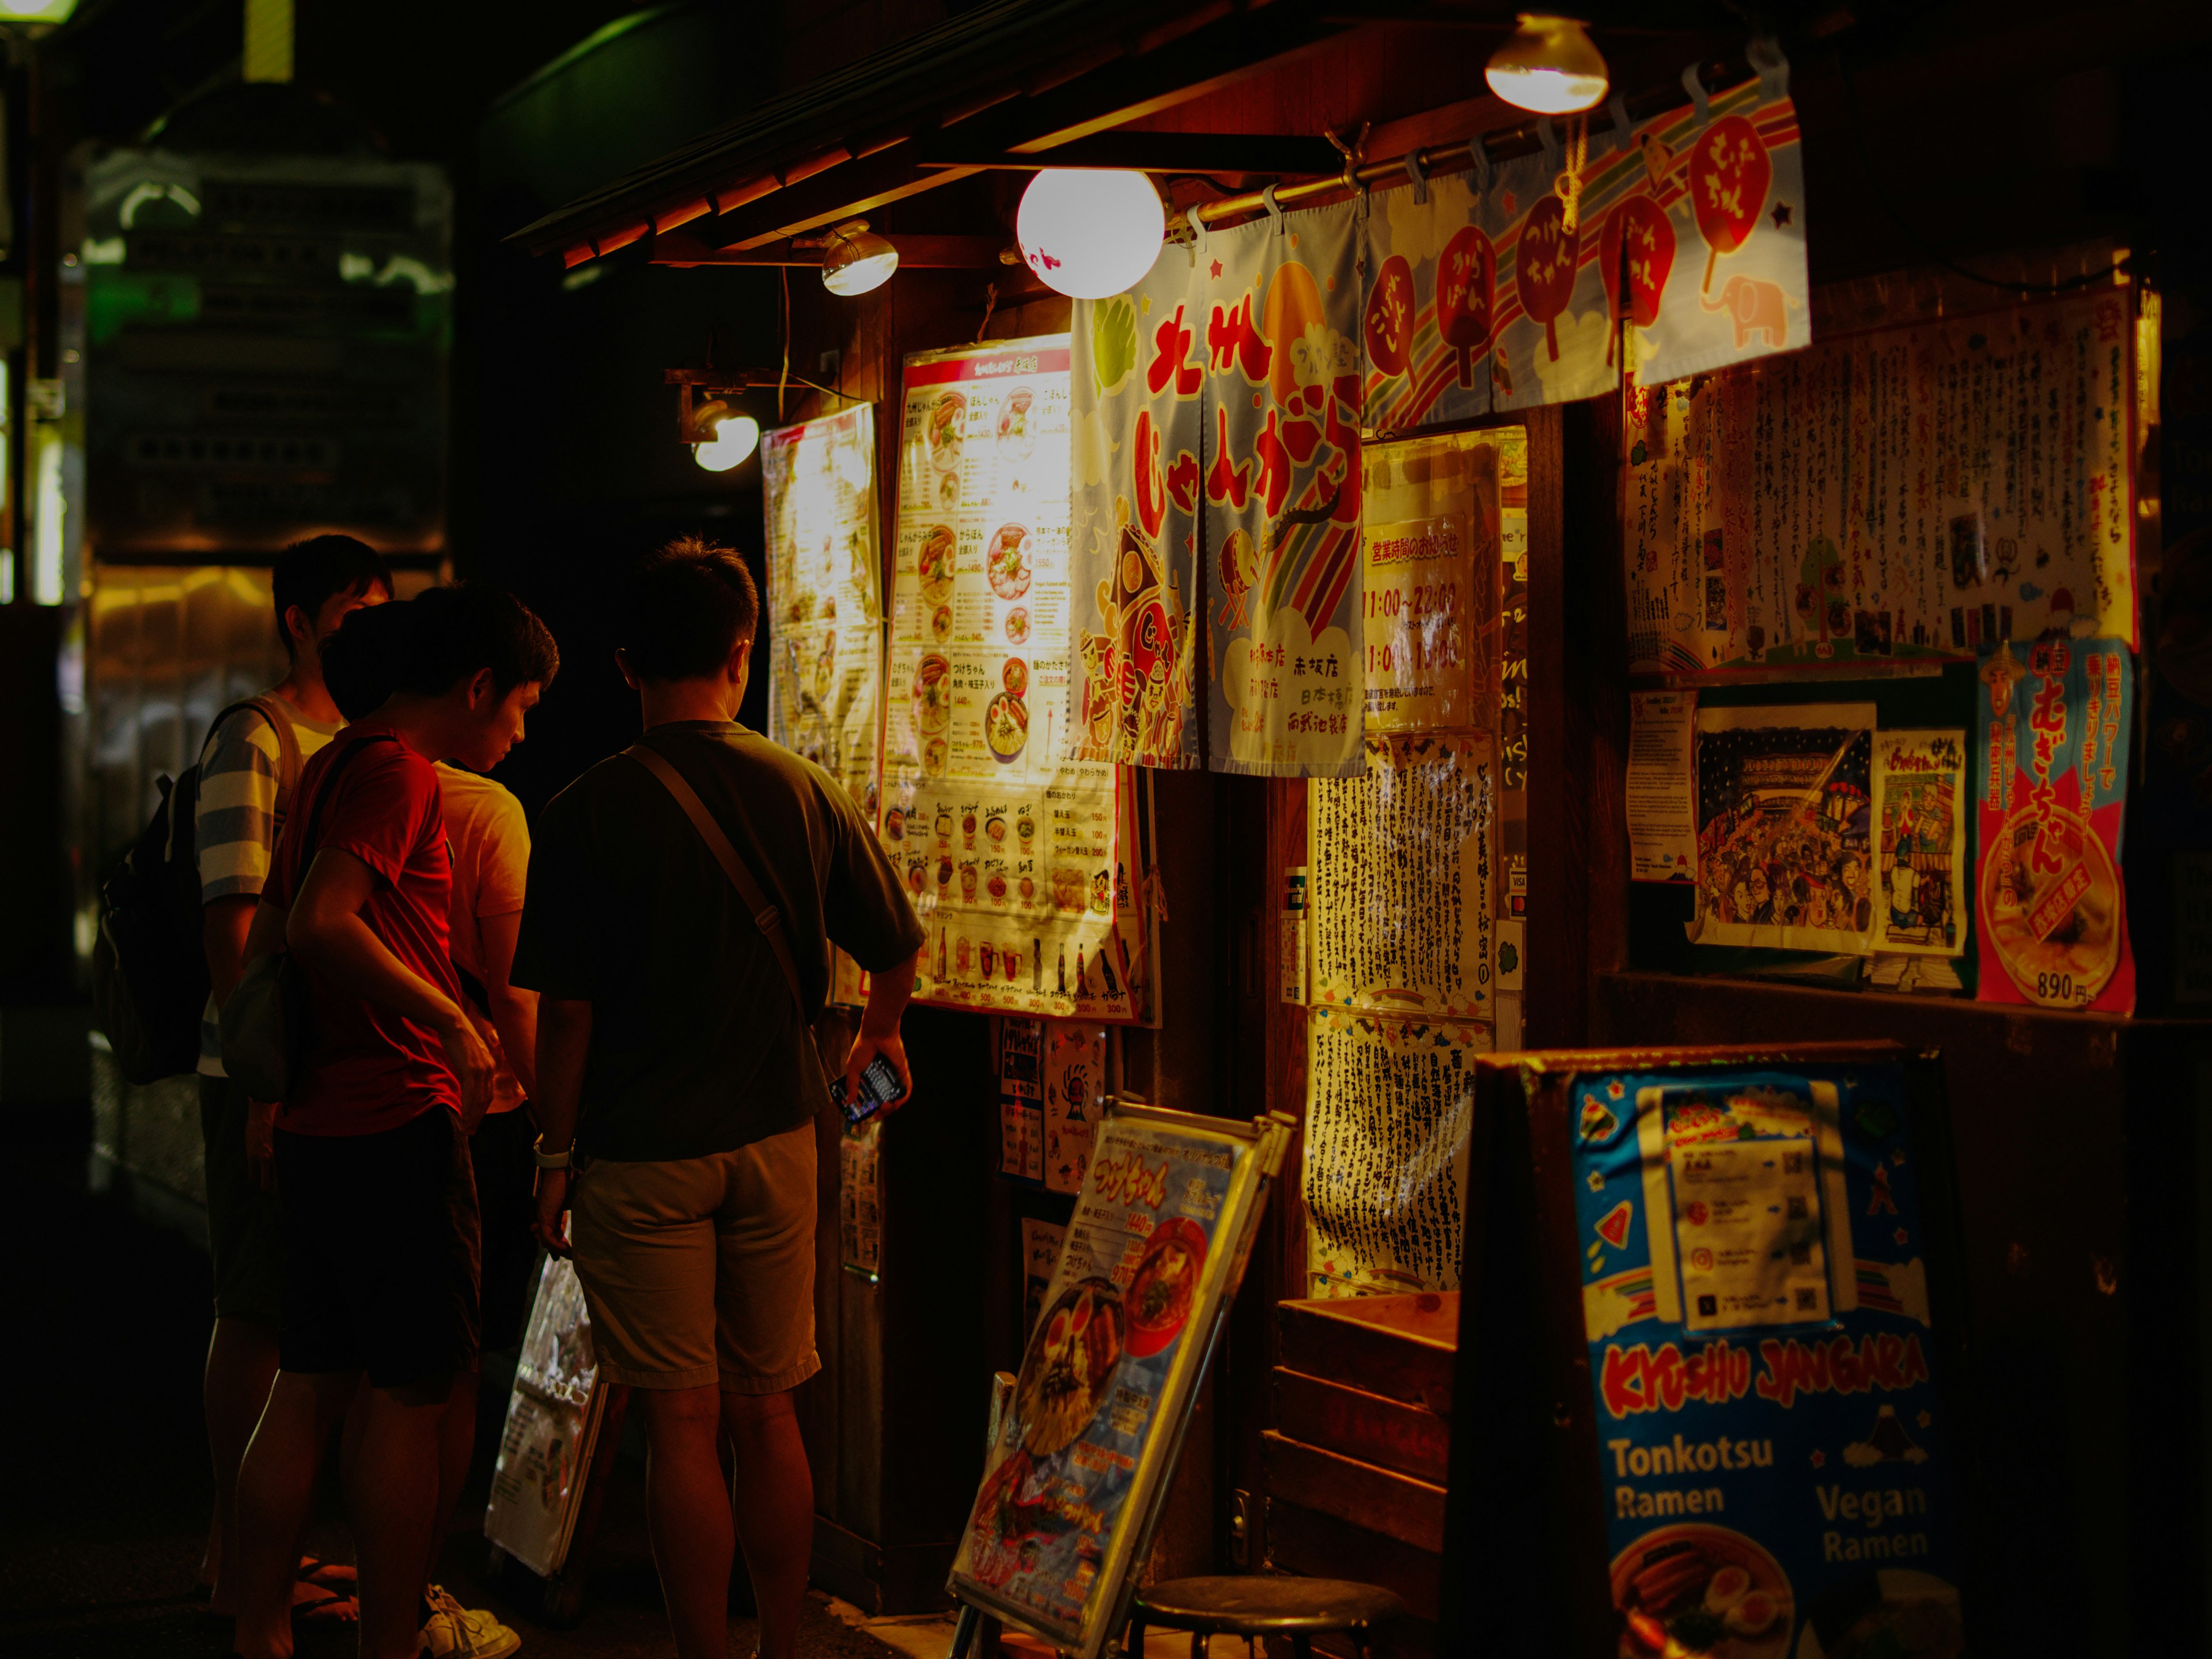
381	1252
507	1180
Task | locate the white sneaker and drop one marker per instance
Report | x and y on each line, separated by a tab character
458	1632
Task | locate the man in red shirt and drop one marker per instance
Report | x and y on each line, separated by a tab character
378	1203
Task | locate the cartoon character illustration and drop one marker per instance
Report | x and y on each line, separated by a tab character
1240	569
1755	308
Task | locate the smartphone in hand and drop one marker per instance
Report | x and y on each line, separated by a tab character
880	1086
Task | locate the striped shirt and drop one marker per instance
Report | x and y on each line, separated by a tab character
234	824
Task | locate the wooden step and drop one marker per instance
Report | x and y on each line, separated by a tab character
1368	1426
1401	1347
1381	1500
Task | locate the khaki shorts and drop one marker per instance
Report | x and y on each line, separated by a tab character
701	1270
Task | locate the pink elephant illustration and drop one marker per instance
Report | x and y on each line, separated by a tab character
1756	308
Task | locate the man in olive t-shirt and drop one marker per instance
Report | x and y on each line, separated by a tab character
672	1050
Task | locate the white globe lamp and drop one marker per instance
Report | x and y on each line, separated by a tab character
1090	232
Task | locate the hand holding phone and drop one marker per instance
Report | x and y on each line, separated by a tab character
879	1086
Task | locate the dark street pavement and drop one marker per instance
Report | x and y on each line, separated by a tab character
103	1462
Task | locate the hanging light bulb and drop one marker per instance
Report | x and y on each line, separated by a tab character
1548	65
855	259
735	437
1090	232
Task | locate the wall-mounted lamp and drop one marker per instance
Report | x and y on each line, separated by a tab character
1548	65
854	259
1090	232
731	437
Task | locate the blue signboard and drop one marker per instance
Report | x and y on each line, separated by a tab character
1772	1443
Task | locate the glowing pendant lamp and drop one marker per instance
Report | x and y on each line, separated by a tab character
1090	232
735	437
1548	65
854	259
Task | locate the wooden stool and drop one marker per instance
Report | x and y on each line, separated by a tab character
1300	1608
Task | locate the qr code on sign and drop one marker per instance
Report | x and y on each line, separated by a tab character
1809	1299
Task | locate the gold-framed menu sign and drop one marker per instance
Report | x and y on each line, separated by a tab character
1077	1475
1018	860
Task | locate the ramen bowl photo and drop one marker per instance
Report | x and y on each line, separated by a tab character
1068	1371
1165	1286
945	435
2051	902
1696	1589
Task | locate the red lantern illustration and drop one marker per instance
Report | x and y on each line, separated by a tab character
1639	229
1466	276
1544	266
1729	172
1389	321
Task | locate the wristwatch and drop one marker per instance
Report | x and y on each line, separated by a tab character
550	1160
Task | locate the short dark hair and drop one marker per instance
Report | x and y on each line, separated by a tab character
309	574
429	643
686	607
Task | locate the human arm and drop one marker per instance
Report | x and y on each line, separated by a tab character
324	931
261	931
888	992
514	1009
224	925
564	1042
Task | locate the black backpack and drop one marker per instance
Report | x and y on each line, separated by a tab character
150	976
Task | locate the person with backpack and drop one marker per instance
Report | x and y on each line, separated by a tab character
683	895
373	1183
248	776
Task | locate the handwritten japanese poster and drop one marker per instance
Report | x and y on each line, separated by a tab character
1403	871
1923	884
1283	494
1138	368
825	595
1923	491
2053	721
1074	1100
1704	258
1153	1252
1389	1112
1015	855
1784	822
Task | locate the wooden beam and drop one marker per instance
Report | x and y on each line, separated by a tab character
1202	62
1274	155
916	252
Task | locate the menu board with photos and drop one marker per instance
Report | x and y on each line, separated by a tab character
1018	858
825	595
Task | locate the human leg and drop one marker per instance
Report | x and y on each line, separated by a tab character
276	1483
774	1507
688	1509
391	1500
764	1349
244	1236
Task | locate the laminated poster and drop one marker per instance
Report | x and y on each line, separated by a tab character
1403	863
1921	877
1916	492
1661	789
860	1199
2053	722
1431	546
1042	1242
1132	529
1772	1443
1072	1484
1074	1101
1021	1099
552	1421
1389	1110
825	595
1785	821
1015	855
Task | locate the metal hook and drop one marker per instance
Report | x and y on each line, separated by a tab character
1764	55
1274	213
1417	169
1197	235
1624	130
1701	103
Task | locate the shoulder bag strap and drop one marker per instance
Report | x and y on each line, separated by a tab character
287	751
323	793
766	916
